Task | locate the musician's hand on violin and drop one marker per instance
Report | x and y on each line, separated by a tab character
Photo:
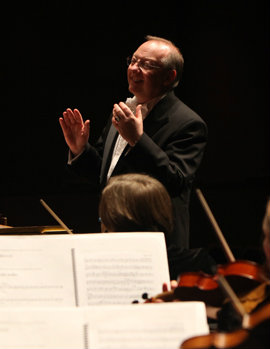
154	300
173	284
75	130
166	295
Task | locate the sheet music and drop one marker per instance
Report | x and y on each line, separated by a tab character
83	269
144	326
46	328
121	272
35	272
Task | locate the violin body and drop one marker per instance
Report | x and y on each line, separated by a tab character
217	340
195	286
242	276
256	334
243	279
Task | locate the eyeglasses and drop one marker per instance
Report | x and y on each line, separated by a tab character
143	65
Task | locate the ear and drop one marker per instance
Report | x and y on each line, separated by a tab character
171	75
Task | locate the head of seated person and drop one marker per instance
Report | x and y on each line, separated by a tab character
135	202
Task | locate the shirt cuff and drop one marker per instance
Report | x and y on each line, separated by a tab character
72	158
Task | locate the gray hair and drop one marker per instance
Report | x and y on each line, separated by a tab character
174	60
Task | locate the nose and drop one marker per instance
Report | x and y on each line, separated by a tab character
134	67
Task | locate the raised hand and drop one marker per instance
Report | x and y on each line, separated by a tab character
75	130
129	126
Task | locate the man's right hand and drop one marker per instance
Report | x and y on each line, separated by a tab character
76	132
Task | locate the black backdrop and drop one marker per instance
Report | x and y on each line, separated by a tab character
72	53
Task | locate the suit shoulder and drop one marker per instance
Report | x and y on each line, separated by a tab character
182	112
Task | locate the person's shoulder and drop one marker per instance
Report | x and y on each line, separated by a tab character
181	112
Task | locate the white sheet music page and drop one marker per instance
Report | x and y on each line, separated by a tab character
117	268
78	270
146	326
42	328
35	271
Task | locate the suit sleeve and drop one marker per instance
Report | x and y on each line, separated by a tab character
88	164
174	160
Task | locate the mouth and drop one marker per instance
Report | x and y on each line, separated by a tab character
135	80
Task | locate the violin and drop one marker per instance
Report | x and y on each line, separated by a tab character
255	326
230	280
242	276
216	340
254	331
253	334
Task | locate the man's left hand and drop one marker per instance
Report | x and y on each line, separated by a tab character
129	126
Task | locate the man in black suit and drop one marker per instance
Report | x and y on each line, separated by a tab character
153	132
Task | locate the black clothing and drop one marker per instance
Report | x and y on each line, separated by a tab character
170	149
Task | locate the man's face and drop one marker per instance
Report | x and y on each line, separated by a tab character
147	81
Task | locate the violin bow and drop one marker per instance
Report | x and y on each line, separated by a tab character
232	295
216	227
221	279
55	216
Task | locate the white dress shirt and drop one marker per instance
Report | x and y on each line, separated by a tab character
121	143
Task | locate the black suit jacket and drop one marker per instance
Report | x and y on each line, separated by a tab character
170	149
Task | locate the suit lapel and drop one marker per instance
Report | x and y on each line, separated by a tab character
158	116
107	150
153	122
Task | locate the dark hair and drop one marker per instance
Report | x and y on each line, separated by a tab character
174	60
136	202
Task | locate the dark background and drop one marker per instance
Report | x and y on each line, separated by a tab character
72	53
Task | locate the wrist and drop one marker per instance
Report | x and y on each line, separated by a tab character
133	142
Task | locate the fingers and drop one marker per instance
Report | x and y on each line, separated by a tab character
121	111
125	109
63	124
72	123
115	117
118	114
69	117
72	117
77	116
139	111
87	128
174	284
164	287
